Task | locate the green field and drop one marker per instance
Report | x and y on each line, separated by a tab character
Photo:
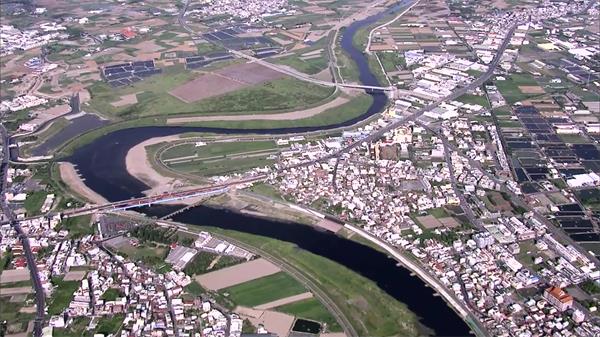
264	290
112	294
154	98
203	260
150	256
110	324
308	66
390	60
352	109
10	312
311	309
509	88
474	99
78	226
34	202
75	329
62	295
219	158
368	308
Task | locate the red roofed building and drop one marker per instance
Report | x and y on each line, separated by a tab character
128	33
20	263
558	298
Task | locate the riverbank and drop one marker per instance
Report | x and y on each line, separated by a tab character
138	165
71	178
369	310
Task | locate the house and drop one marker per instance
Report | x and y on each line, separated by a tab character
558	298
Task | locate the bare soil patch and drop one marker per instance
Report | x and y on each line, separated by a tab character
275	322
225	80
14	275
76	275
237	274
531	89
125	100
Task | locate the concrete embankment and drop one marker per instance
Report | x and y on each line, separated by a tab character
413	267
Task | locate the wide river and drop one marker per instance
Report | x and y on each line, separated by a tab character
102	165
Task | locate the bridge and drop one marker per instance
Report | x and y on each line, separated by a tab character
162	198
304	77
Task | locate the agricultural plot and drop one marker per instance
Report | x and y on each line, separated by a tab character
233	90
264	290
518	87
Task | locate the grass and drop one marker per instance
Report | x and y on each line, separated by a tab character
474	99
194	288
75	329
154	98
264	290
10	312
352	109
78	226
34	202
308	66
574	139
390	60
150	256
509	88
221	158
368	308
438	212
266	190
110	324
62	295
203	260
311	309
111	294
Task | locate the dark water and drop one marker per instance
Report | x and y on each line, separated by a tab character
102	165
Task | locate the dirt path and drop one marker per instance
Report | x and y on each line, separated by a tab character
284	301
300	114
72	179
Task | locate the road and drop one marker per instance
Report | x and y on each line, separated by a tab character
403	120
329	304
279	68
40	299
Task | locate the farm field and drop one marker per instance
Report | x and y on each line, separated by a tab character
517	87
179	91
372	311
311	309
264	290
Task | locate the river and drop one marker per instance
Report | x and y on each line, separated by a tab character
102	164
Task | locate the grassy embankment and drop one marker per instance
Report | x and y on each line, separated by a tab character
372	311
219	158
354	108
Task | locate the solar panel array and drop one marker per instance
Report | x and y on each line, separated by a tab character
194	62
127	73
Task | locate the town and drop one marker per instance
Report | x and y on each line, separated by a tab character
479	176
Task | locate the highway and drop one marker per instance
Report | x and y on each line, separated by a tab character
40	299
